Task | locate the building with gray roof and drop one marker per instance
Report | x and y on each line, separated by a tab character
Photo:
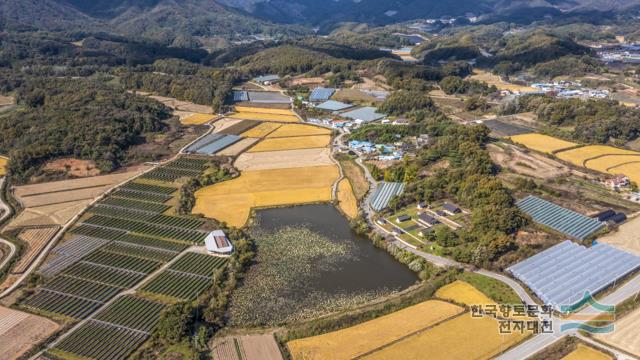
333	105
364	114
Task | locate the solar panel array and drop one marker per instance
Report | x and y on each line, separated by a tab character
563	273
568	222
384	193
213	143
321	94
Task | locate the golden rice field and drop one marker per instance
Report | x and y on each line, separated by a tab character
292	143
262	116
463	293
3	165
366	337
197	119
542	143
584	352
261	130
290	130
580	155
231	201
255	109
461	338
630	170
492	79
347	200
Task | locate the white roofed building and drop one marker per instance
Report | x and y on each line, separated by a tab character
217	243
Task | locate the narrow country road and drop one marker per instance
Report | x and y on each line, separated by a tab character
5	212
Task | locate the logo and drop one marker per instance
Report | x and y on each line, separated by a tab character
595	318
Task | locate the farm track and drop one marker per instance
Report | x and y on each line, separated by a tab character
5	212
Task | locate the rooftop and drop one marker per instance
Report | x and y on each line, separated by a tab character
333	105
365	114
321	94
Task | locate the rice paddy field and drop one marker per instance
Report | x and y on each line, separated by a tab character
463	293
290	130
460	338
605	159
584	352
542	143
364	338
231	201
251	161
264	110
3	165
265	114
261	130
347	200
580	155
625	336
197	119
292	143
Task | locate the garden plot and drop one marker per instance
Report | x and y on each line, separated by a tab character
261	130
238	148
625	336
36	239
20	331
231	201
283	159
542	143
246	347
364	338
292	143
290	130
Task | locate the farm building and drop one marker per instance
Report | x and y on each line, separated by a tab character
556	217
617	182
268	97
333	105
384	193
363	115
604	215
320	94
617	218
428	220
403	218
212	143
217	243
451	209
267	79
441	213
562	274
422	205
240	95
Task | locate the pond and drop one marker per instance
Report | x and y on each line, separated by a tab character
309	263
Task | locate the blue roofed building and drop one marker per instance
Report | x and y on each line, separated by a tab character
363	115
320	94
333	105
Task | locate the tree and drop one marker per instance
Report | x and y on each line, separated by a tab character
174	323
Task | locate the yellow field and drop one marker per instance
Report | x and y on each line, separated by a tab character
231	201
580	155
492	79
347	200
609	163
197	119
360	339
292	143
258	116
299	130
584	352
252	109
463	293
542	143
461	338
3	165
261	130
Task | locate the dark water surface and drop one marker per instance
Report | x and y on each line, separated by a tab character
368	269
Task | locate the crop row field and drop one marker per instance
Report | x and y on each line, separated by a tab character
187	278
135	204
133	313
141	195
61	304
36	239
158	219
180	168
104	274
163	232
139	251
149	188
69	253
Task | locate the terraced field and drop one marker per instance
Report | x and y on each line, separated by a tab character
261	130
292	143
36	239
197	119
290	130
543	143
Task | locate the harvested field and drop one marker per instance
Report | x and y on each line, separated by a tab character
183	105
231	201
353	95
251	161
73	167
463	293
361	339
298	130
583	352
492	79
292	143
631	170
197	119
264	110
20	331
580	155
259	116
356	177
625	336
55	214
461	338
542	143
238	128
626	237
3	165
347	200
246	347
261	130
526	163
260	106
224	123
505	129
71	195
36	239
7	100
238	148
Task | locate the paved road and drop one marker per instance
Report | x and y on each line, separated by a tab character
6	212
